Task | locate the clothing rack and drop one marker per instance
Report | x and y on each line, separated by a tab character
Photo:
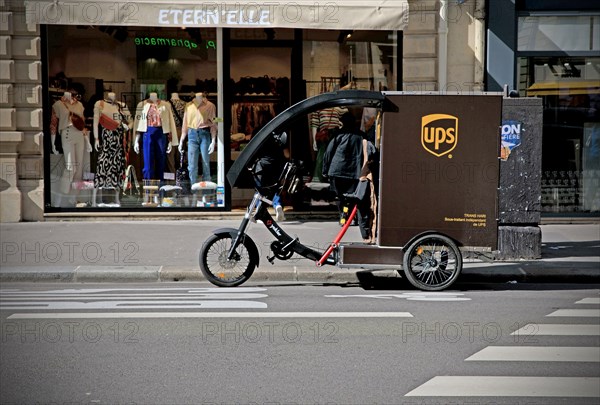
248	116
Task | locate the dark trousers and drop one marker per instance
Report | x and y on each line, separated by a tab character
155	153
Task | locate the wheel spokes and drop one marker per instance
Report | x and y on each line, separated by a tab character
433	263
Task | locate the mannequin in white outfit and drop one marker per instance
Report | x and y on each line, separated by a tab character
74	141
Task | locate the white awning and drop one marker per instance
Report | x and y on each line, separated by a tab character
347	15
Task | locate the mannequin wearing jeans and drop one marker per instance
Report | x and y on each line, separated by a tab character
201	132
154	120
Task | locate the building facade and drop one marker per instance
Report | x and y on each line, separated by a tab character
249	62
553	47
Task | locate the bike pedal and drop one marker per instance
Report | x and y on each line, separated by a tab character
271	259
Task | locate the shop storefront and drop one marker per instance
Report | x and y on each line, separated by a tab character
238	63
248	59
555	47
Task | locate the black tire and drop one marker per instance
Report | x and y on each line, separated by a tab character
223	273
432	262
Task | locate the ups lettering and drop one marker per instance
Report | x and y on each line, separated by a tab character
438	136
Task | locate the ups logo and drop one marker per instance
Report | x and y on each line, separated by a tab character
439	133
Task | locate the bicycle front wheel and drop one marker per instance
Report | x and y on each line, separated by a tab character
228	273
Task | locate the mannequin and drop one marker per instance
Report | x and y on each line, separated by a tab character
178	106
110	168
201	131
154	121
74	141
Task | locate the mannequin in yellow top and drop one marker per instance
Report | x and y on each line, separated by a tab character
200	128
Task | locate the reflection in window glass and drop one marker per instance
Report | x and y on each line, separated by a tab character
355	59
570	89
559	33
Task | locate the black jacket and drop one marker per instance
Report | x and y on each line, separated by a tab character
344	155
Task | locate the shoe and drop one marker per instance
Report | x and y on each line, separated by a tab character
279	215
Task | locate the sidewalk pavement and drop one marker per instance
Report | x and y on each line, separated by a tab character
167	250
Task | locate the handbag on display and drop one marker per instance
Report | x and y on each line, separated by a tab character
182	176
132	191
77	121
58	144
108	122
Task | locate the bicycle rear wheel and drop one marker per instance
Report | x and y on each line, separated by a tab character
432	263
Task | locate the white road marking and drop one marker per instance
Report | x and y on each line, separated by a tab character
92	291
247	296
124	304
91	315
488	386
591	300
535	353
534	329
134	298
418	296
586	313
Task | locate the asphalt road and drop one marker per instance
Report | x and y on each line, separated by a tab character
174	343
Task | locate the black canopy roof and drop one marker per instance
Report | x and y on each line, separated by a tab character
326	100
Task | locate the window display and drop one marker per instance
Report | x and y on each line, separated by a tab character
138	82
156	116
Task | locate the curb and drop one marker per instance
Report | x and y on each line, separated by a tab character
367	278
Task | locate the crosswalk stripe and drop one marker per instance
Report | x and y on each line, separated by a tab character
99	315
488	386
124	304
591	300
586	313
535	353
92	291
534	329
122	297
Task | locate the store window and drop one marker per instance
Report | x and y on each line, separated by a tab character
570	89
559	33
131	86
264	81
337	60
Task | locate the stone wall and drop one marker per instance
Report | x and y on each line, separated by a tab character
519	196
21	117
